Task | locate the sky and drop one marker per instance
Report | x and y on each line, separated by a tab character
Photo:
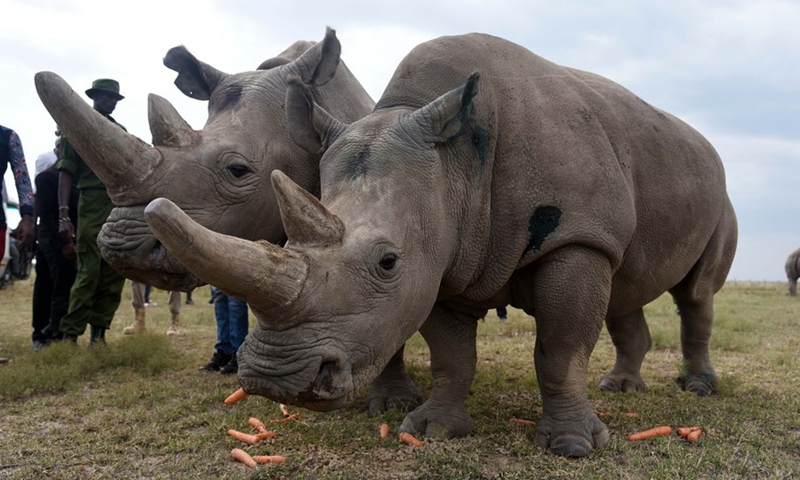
731	69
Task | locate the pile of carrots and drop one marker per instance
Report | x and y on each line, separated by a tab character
255	438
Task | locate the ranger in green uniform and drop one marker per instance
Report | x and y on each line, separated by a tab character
95	295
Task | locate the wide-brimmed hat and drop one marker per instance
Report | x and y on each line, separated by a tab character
106	85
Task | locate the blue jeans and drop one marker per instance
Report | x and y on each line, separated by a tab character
232	322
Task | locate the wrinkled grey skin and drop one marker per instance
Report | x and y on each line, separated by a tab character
547	188
793	271
219	175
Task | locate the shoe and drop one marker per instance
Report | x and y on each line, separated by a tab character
231	367
98	335
189	301
38	345
150	304
217	361
211	301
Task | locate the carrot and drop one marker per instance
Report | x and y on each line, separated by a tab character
384	430
694	435
243	457
632	415
235	397
257	424
684	431
523	423
264	459
653	432
266	434
409	439
244	437
282	420
603	414
284	411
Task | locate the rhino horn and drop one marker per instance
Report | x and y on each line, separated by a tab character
305	219
124	163
263	274
167	126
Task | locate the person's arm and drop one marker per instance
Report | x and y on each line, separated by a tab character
65	228
26	230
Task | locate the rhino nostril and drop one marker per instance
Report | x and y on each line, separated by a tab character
326	378
158	253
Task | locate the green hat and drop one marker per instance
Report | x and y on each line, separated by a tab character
105	85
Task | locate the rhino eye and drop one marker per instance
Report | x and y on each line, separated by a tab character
388	262
239	171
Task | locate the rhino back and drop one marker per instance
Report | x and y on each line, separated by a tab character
560	156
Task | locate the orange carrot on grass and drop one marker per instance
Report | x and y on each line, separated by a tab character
283	420
284	411
264	459
235	397
694	435
409	439
384	430
684	431
523	423
262	429
244	437
243	457
653	432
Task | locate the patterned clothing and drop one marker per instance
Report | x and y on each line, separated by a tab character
11	154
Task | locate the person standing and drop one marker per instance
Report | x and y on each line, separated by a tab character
139	303
96	293
11	153
232	326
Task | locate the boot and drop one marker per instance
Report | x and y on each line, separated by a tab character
231	367
138	324
175	328
218	360
98	335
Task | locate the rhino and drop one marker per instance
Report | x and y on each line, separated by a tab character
220	175
792	268
485	176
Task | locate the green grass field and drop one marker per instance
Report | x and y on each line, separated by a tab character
139	408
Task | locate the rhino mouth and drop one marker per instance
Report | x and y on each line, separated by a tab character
320	381
129	246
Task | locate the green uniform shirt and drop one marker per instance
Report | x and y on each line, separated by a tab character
70	161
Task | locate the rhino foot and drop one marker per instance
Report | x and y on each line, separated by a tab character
622	382
438	421
703	384
575	438
393	393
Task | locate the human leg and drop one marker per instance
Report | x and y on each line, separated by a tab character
138	299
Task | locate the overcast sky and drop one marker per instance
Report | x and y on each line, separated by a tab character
731	69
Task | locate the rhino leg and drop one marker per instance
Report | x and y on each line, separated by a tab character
393	388
451	337
570	292
697	374
631	338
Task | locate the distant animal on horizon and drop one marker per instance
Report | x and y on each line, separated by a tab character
793	271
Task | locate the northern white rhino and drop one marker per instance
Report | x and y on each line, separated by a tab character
220	174
548	188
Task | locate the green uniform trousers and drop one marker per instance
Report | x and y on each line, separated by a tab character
95	295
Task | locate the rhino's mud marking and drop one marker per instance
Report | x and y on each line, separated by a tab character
229	97
543	222
480	139
357	165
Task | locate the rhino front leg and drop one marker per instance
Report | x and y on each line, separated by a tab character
631	339
451	337
393	388
571	288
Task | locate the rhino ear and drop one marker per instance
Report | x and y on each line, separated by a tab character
318	64
309	125
289	55
195	78
446	117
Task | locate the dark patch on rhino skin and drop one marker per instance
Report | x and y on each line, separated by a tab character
357	166
480	139
229	97
543	222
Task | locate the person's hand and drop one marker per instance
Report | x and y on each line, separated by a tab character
68	250
26	232
65	230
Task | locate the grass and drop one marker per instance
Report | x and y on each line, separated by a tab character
139	408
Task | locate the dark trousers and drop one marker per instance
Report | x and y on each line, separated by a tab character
54	277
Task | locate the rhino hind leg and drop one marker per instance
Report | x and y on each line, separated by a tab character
451	337
631	338
393	389
694	296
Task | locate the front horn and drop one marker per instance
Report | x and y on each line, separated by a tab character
263	274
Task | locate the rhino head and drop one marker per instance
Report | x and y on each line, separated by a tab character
362	267
218	175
